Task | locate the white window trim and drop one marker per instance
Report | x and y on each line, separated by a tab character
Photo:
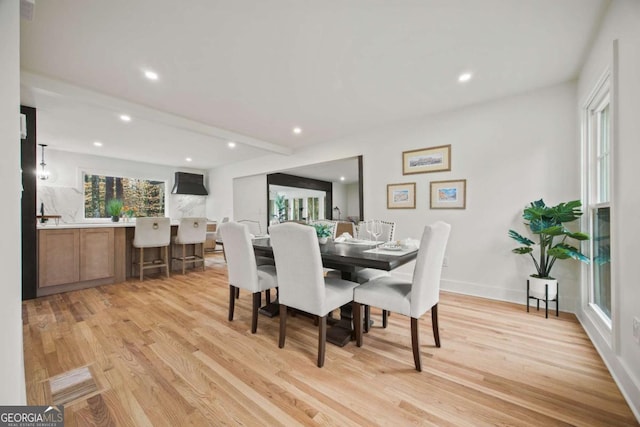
603	90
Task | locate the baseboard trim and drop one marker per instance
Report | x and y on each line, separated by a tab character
518	296
628	385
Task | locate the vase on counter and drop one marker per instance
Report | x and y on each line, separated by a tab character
115	218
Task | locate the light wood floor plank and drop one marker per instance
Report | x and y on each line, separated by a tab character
163	353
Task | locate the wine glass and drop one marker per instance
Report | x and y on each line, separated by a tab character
368	226
376	230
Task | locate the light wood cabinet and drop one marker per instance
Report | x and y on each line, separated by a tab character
58	257
70	256
96	253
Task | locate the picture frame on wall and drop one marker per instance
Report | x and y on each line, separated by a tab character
451	194
424	160
401	196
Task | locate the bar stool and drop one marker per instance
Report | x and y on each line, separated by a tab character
191	231
153	232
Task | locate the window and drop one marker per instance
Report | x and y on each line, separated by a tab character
313	206
597	171
140	197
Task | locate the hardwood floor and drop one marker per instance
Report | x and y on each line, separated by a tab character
161	352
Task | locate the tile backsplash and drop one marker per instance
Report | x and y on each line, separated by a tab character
69	203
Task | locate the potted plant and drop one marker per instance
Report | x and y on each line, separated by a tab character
547	222
129	212
323	231
114	209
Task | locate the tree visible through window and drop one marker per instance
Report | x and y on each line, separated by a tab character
141	197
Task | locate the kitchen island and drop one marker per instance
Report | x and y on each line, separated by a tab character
78	256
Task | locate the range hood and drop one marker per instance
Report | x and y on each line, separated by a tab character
189	183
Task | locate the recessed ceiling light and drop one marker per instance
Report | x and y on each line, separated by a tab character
297	130
151	75
97	143
342	178
464	77
188	159
125	118
231	144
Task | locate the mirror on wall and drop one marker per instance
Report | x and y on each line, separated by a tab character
330	190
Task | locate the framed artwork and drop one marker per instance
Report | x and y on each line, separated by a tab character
449	194
401	196
432	159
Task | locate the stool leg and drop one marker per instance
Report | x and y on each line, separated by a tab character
166	260
202	253
141	262
184	248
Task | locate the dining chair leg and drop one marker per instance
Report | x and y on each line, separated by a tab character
434	324
254	314
415	343
385	315
322	340
141	263
357	322
367	318
232	301
283	325
237	293
267	296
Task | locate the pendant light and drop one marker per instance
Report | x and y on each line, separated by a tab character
43	174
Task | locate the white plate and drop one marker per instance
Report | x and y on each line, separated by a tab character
391	247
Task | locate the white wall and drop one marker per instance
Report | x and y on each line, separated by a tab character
339	195
620	351
62	193
498	147
250	199
353	201
12	390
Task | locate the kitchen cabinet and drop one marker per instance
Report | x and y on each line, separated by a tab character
75	256
96	253
58	257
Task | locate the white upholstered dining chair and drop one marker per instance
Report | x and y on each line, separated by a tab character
302	285
151	232
414	298
242	268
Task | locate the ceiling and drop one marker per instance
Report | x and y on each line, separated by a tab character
249	71
333	171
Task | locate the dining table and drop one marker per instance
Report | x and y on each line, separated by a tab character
349	257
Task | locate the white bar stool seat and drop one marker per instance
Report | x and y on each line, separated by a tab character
153	232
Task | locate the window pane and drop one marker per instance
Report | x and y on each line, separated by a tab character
603	155
602	260
140	197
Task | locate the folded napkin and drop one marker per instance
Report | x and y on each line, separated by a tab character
343	237
410	243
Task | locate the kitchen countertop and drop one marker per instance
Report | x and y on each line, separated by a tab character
50	225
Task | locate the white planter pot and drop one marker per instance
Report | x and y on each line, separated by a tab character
323	240
537	288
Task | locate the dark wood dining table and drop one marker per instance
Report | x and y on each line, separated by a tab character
348	259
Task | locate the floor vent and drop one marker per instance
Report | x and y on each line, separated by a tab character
72	385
